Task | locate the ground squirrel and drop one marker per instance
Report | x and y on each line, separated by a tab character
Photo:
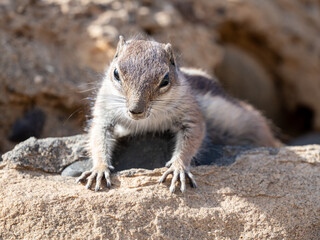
144	90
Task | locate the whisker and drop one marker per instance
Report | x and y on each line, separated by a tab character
72	114
87	90
113	97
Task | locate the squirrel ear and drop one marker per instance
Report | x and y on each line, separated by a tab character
121	43
169	50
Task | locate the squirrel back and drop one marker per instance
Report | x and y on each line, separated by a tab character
229	121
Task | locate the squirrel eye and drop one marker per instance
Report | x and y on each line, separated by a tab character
116	75
165	81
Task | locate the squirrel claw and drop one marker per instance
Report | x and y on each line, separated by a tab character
169	163
83	176
181	174
108	180
95	174
192	181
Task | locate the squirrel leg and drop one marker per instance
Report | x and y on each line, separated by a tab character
189	140
101	145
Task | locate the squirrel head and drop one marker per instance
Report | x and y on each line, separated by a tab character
142	72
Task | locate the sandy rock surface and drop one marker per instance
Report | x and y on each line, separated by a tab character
265	194
50	51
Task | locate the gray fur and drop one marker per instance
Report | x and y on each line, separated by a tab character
192	106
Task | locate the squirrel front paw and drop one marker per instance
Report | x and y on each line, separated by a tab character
96	172
178	171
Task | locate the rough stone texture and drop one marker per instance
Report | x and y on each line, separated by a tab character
49	50
38	68
50	154
146	151
265	194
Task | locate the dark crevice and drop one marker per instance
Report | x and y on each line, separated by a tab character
300	120
30	125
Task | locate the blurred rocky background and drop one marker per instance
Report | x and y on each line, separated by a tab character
53	53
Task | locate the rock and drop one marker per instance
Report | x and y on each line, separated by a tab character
281	36
146	151
50	155
154	152
39	70
311	138
77	168
265	194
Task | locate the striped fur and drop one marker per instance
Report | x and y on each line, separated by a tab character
192	105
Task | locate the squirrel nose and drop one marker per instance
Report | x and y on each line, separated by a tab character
137	107
135	111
